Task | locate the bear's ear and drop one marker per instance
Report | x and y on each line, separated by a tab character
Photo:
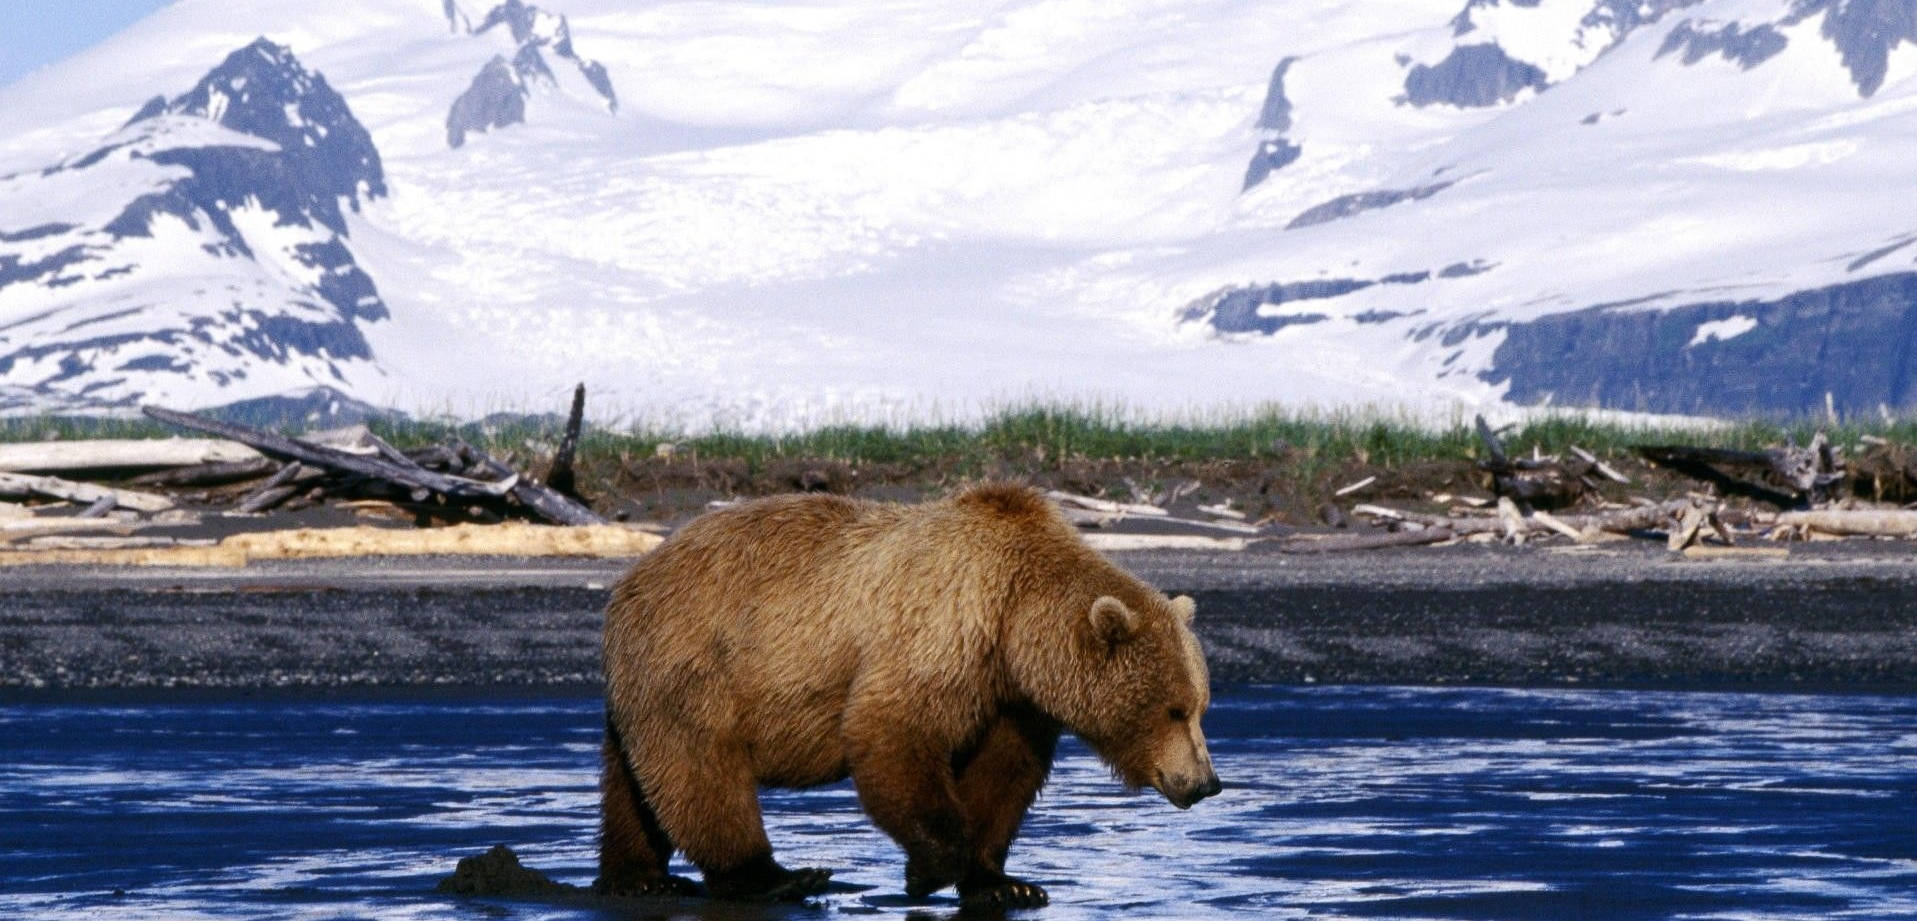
1184	607
1111	620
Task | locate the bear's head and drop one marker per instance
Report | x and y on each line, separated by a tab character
1141	688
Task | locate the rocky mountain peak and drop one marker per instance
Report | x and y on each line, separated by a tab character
497	95
262	90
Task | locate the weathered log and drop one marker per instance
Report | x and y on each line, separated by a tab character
21	484
119	454
215	474
560	478
534	495
1534	482
1371	541
1859	522
34	527
1494	457
277	489
436	457
100	507
1622	521
1806	474
1556	524
1605	470
335	459
1708	552
1105	505
1354	487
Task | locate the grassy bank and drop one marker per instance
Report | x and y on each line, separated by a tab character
1278	463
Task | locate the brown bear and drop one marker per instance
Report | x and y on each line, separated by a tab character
933	653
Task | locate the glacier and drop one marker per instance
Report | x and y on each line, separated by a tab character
731	213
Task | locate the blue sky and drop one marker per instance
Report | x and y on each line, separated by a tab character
34	33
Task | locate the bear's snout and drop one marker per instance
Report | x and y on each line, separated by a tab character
1185	792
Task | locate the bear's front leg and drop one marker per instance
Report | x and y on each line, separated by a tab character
906	786
996	784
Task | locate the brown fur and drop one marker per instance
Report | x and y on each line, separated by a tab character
931	652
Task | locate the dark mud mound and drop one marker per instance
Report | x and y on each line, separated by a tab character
499	874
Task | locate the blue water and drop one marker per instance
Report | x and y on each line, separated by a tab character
1340	803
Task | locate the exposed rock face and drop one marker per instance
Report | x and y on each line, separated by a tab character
1865	32
1748	47
1239	309
1854	341
1472	76
496	98
1274	151
1347	205
498	94
240	191
324	155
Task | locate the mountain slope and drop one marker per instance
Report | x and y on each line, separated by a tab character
772	215
200	247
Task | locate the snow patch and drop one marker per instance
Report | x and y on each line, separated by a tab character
1721	330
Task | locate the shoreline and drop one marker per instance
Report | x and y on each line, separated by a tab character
1834	618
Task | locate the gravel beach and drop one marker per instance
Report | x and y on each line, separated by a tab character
1832	617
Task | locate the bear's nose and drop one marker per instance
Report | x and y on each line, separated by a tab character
1210	787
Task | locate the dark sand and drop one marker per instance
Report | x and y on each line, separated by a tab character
1834	617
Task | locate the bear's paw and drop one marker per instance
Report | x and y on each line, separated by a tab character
642	888
1000	893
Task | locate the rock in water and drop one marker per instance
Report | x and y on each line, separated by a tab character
498	872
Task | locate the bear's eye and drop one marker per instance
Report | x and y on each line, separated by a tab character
1178	714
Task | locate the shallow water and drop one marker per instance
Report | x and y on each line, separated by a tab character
1340	802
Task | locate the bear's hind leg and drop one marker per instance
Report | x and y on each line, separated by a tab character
712	813
995	788
633	849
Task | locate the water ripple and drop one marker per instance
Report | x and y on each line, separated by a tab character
1341	803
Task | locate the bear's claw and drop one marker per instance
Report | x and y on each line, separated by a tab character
1003	894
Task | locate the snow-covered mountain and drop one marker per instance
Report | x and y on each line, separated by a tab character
742	212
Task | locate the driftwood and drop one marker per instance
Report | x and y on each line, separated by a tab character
1792	477
1372	541
35	527
96	542
533	494
1105	505
1118	542
1708	552
1536	482
1222	511
71	456
1621	521
214	474
409	474
1857	522
560	477
1086	518
22	485
512	539
278	488
1603	469
100	507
